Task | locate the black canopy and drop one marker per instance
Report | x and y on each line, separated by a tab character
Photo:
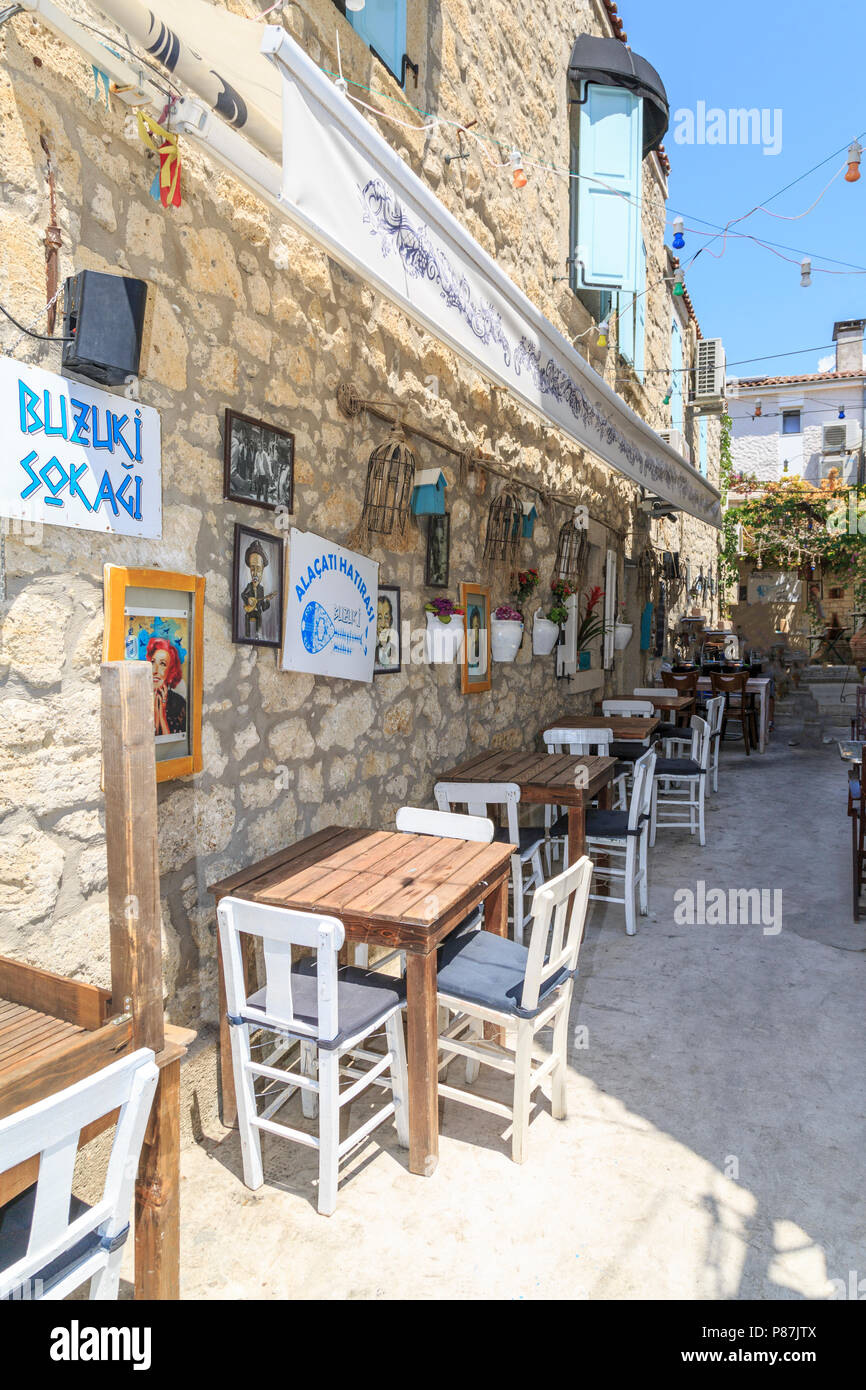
612	64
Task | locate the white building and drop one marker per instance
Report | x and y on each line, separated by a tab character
803	425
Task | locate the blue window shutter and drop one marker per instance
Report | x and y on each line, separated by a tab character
702	445
676	377
382	25
609	188
640	315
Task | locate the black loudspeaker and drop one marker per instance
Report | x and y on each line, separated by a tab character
103	316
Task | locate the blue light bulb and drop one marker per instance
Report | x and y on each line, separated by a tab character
679	239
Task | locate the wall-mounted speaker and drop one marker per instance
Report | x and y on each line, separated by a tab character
103	317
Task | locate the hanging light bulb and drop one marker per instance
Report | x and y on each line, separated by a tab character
805	273
841	412
668	393
679	239
517	175
355	5
759	406
679	287
603	330
855	150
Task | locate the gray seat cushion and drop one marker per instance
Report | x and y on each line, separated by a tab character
608	825
364	998
670	731
16	1218
489	970
531	838
627	750
677	767
854	789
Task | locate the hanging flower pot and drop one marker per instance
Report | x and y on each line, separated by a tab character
506	633
444	631
622	636
545	635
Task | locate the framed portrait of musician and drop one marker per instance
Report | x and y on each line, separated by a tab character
258	463
157	616
257	588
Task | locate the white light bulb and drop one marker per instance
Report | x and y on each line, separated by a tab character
355	5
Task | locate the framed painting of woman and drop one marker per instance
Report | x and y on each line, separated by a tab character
475	671
157	616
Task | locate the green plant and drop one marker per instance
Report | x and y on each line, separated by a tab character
561	591
525	584
592	624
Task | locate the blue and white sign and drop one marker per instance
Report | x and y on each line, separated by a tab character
74	455
331	604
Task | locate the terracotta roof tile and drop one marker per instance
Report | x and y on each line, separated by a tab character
794	380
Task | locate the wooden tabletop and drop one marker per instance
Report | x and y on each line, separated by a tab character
385	887
541	777
622	726
668	700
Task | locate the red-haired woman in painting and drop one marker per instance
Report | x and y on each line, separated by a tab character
169	708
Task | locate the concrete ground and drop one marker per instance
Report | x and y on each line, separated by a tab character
713	1148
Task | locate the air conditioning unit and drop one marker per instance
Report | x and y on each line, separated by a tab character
841	437
677	441
709	391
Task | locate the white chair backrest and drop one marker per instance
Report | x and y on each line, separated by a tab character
477	796
51	1129
640	804
556	933
649	692
578	742
715	714
279	930
419	821
628	708
700	741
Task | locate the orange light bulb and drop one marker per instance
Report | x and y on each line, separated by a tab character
517	175
855	150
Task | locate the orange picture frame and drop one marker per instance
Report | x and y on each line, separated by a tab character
475	598
117	580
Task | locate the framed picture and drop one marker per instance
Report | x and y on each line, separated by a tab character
475	672
259	463
438	551
387	661
257	588
157	616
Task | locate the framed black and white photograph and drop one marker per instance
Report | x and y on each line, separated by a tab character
259	463
438	551
257	588
388	654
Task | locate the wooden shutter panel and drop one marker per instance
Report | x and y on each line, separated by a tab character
382	25
610	160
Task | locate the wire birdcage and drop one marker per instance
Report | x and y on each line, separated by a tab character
390	479
572	549
504	528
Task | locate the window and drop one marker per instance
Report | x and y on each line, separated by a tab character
382	25
606	150
790	422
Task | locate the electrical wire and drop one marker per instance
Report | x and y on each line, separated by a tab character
43	337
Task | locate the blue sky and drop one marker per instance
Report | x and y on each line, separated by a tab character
752	53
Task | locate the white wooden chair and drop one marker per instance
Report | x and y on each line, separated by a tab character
488	979
715	720
629	709
622	837
667	728
327	1014
51	1242
526	870
685	786
579	743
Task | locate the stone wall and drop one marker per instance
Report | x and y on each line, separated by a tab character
247	314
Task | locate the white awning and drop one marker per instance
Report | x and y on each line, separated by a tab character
350	192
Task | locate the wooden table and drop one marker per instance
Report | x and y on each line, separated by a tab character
638	727
387	889
548	779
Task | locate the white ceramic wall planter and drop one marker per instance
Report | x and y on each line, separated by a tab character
622	636
505	637
443	639
545	636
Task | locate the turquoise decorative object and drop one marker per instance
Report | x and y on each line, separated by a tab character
584	661
530	512
428	494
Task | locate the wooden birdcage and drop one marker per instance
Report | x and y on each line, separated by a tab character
572	550
504	528
390	479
